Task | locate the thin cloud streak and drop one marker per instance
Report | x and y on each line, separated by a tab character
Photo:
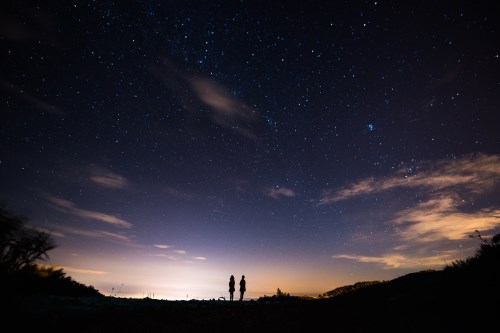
280	192
47	231
68	207
228	111
109	179
393	261
439	219
30	99
94	233
115	236
475	173
171	257
82	271
163	246
178	259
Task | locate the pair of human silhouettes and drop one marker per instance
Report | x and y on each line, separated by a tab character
243	287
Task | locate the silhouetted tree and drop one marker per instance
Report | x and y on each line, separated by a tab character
20	249
280	293
20	246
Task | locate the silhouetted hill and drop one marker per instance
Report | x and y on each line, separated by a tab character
460	298
347	289
472	278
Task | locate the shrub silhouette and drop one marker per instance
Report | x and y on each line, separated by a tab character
486	259
49	281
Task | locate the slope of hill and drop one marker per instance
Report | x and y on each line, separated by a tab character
460	298
33	280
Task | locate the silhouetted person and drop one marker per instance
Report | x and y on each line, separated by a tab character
231	287
243	287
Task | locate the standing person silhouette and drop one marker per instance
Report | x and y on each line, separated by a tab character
243	287
231	287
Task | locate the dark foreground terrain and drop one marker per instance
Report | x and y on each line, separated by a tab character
419	302
463	297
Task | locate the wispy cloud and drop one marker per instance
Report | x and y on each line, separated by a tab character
225	108
391	261
69	269
474	173
69	207
30	99
280	192
115	235
181	258
440	219
163	246
94	233
47	231
108	179
447	212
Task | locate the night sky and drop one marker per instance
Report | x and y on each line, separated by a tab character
307	145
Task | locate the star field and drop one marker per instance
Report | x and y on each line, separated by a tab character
166	145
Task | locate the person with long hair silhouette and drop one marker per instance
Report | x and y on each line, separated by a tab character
243	287
231	287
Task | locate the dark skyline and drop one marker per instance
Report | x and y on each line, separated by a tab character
167	145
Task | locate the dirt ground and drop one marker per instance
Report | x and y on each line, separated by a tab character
107	314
